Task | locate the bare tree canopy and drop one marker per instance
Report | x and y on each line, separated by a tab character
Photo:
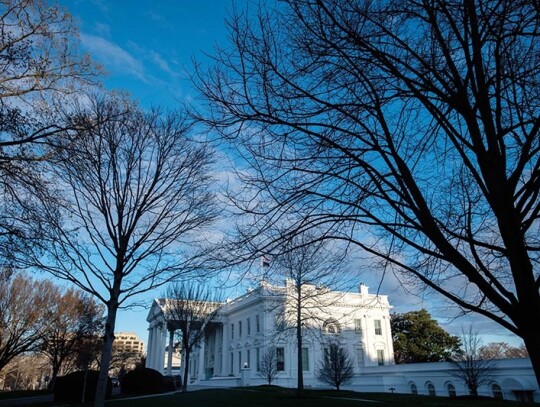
73	317
502	350
311	270
268	368
40	65
191	307
470	365
24	314
138	198
337	367
416	122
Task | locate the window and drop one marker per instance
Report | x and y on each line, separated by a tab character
258	354
358	326
232	331
378	327
380	357
331	326
360	357
258	323
497	392
248	326
248	358
431	389
239	329
305	359
240	361
451	390
414	389
232	363
280	359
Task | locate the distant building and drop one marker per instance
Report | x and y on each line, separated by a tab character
128	342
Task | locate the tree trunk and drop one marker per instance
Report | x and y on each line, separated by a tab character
532	342
54	375
300	386
186	370
106	353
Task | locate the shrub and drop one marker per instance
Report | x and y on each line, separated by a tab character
71	386
172	382
143	381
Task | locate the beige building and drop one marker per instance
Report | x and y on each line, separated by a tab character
128	342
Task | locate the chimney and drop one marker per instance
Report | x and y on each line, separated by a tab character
363	289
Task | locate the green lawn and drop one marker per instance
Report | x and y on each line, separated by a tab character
20	393
263	396
273	396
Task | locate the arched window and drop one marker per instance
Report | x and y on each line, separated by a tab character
451	390
414	389
431	389
331	326
497	392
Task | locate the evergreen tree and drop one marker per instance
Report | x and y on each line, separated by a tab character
419	338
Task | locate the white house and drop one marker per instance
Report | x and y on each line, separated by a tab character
260	319
248	325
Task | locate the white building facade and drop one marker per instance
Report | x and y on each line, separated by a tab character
249	325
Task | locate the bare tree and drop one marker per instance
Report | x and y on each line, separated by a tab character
73	316
124	360
470	366
24	313
191	307
310	271
337	367
268	368
40	65
502	350
415	122
25	372
138	198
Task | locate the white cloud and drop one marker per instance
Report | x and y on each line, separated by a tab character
113	56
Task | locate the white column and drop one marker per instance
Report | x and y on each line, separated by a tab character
162	343
368	354
170	353
217	348
155	347
149	348
201	359
224	350
388	340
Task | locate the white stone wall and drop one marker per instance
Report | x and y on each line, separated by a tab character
509	374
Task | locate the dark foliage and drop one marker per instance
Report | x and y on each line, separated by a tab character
70	388
172	383
143	381
418	338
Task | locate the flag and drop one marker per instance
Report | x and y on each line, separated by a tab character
265	261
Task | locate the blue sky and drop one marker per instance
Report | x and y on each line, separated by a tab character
146	48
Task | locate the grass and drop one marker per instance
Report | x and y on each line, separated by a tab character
264	396
271	396
4	395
